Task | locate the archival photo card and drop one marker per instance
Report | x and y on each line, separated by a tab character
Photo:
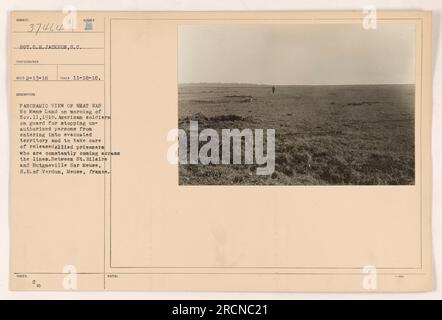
221	151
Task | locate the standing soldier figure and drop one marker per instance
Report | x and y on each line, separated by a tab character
273	89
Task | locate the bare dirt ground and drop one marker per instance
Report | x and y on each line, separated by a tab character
325	135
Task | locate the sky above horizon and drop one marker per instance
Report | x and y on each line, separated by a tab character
297	54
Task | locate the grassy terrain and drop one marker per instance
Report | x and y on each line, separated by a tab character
359	135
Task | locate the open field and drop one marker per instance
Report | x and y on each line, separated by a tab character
325	135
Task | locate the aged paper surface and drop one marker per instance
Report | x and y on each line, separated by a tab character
96	203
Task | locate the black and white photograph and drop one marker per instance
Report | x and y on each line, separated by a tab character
296	104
